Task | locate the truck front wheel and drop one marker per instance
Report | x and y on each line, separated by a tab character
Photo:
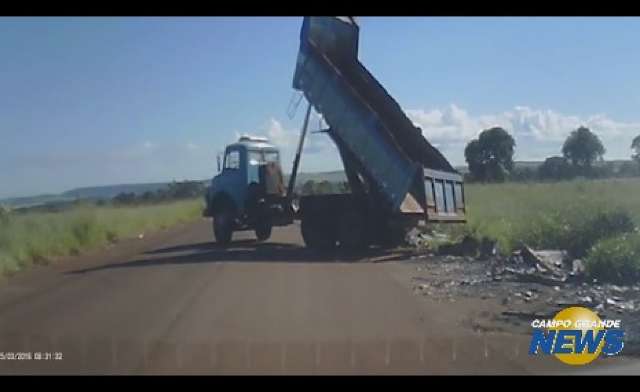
263	231
223	226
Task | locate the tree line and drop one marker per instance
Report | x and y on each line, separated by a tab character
323	187
173	191
490	159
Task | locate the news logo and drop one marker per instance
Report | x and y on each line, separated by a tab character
576	336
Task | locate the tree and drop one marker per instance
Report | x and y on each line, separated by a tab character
490	156
185	189
629	169
522	174
582	148
308	188
635	145
125	198
324	187
606	170
555	168
473	156
343	187
147	196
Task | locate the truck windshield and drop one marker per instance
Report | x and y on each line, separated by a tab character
257	157
271	156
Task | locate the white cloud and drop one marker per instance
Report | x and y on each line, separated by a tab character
538	133
280	136
288	139
319	152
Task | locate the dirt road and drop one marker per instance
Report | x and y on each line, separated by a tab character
174	302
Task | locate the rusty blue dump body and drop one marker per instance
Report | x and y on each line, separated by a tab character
412	175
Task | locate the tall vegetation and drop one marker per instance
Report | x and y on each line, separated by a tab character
40	237
580	216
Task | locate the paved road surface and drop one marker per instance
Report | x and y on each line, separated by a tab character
176	303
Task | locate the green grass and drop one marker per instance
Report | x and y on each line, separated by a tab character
571	215
38	237
616	259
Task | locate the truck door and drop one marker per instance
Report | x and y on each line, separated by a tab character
234	174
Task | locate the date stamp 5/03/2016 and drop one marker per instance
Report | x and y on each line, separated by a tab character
31	356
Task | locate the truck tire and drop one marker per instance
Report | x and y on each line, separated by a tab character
351	230
390	236
263	231
317	234
223	226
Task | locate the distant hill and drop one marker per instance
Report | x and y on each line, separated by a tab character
109	191
37	200
94	192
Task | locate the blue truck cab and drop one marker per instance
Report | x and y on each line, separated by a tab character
247	190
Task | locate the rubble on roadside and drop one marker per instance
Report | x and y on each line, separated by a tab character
421	239
548	267
528	284
442	244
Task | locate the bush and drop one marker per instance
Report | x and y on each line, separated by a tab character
4	214
590	229
522	174
555	168
574	229
616	259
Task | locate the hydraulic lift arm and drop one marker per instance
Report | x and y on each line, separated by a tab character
296	161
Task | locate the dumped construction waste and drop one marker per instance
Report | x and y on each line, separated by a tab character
528	283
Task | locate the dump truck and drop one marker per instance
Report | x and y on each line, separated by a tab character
396	177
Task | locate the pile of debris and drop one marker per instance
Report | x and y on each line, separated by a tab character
555	269
549	267
425	240
523	274
528	283
442	244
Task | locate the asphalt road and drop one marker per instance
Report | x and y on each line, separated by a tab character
174	302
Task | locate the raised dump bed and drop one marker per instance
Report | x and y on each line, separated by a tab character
369	126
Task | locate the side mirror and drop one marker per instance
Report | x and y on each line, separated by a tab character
218	159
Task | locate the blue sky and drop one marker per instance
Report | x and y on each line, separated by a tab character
93	101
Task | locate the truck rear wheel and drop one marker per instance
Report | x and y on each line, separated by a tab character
352	231
317	235
223	226
390	236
